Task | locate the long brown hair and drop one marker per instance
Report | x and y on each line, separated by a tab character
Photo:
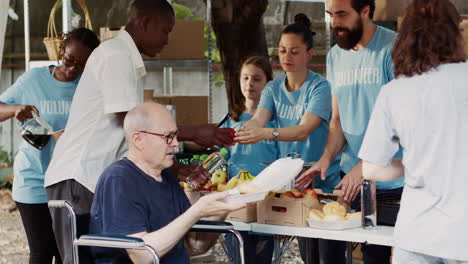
429	36
260	62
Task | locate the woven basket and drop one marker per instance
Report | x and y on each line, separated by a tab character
53	41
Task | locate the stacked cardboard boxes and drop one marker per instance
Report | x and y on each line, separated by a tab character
186	41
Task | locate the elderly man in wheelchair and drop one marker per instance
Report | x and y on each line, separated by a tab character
137	197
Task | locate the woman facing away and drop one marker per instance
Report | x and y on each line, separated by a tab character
425	111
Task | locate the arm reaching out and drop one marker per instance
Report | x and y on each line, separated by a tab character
164	239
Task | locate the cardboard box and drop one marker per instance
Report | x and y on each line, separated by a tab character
292	212
246	215
147	95
190	110
186	41
285	211
389	10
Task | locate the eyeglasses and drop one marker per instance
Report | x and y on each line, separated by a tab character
169	137
68	62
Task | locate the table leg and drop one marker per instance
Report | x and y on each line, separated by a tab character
349	252
222	242
281	244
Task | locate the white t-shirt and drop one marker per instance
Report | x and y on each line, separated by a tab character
111	83
428	115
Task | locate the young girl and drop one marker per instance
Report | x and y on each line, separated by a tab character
299	102
47	91
255	73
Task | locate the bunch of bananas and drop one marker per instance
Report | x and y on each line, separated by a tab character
241	177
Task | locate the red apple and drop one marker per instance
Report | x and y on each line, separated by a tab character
232	133
310	193
288	194
208	187
222	187
297	193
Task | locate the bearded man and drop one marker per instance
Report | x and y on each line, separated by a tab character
357	67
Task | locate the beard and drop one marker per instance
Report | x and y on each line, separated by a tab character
350	37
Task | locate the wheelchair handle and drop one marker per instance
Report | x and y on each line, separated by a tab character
57	203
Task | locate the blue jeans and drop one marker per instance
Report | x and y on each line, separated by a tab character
374	254
401	256
258	249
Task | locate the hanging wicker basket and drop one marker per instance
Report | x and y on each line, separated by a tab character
53	41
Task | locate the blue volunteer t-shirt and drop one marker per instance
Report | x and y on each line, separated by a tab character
287	110
356	78
52	98
129	201
249	156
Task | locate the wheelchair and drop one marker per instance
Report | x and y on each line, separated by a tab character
124	242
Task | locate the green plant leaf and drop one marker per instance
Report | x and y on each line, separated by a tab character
181	11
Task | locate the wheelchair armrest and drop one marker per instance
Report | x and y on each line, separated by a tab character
111	241
212	226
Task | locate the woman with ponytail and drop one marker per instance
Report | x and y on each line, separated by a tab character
299	103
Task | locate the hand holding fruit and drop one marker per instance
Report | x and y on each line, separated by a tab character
210	136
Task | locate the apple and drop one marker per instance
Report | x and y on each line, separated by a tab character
310	194
288	194
208	187
222	187
232	133
297	193
218	177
